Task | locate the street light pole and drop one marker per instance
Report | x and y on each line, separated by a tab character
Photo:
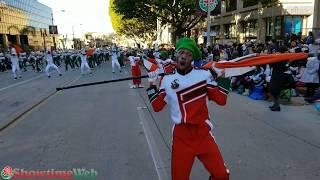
74	41
52	23
209	23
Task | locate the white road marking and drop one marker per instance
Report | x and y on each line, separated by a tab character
36	106
157	161
22	82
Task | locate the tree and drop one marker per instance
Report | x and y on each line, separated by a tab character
116	19
179	14
145	31
269	2
132	27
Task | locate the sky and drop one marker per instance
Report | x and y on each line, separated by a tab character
82	15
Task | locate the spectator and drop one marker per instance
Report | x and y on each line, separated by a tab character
276	84
278	81
309	39
313	98
310	76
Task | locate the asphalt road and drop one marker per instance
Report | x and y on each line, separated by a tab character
112	129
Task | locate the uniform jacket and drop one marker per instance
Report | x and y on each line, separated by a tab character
187	95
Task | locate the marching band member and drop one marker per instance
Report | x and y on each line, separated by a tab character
136	72
15	63
50	64
84	62
184	92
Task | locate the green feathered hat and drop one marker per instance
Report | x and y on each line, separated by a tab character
191	45
164	54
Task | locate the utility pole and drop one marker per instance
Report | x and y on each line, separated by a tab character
53	36
52	23
209	23
74	41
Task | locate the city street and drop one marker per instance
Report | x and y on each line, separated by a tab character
112	129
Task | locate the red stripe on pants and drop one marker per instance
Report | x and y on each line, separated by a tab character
190	141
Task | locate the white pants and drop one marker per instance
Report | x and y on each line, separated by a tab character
115	62
83	66
16	68
53	66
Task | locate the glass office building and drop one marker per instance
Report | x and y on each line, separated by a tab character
26	23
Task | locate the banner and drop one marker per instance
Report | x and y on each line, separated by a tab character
215	7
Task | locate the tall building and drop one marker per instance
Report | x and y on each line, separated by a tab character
26	23
243	20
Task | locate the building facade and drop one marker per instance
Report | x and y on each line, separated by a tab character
25	23
244	20
163	34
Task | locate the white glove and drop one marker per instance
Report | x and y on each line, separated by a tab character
153	76
220	72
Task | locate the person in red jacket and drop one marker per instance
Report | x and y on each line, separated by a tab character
186	93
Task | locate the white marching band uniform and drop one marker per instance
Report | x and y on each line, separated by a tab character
115	62
15	63
50	64
84	63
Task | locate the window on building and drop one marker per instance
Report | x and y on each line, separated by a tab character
273	28
215	30
292	24
230	31
250	29
247	3
231	5
269	27
278	25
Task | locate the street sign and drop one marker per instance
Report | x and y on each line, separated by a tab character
53	29
212	34
203	4
215	6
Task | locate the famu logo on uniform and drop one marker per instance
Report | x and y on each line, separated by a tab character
204	5
7	173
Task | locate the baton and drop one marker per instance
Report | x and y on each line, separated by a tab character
103	82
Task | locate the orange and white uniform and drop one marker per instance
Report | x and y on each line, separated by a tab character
135	69
167	65
187	95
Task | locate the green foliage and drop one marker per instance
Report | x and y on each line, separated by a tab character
133	27
269	2
179	14
115	17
